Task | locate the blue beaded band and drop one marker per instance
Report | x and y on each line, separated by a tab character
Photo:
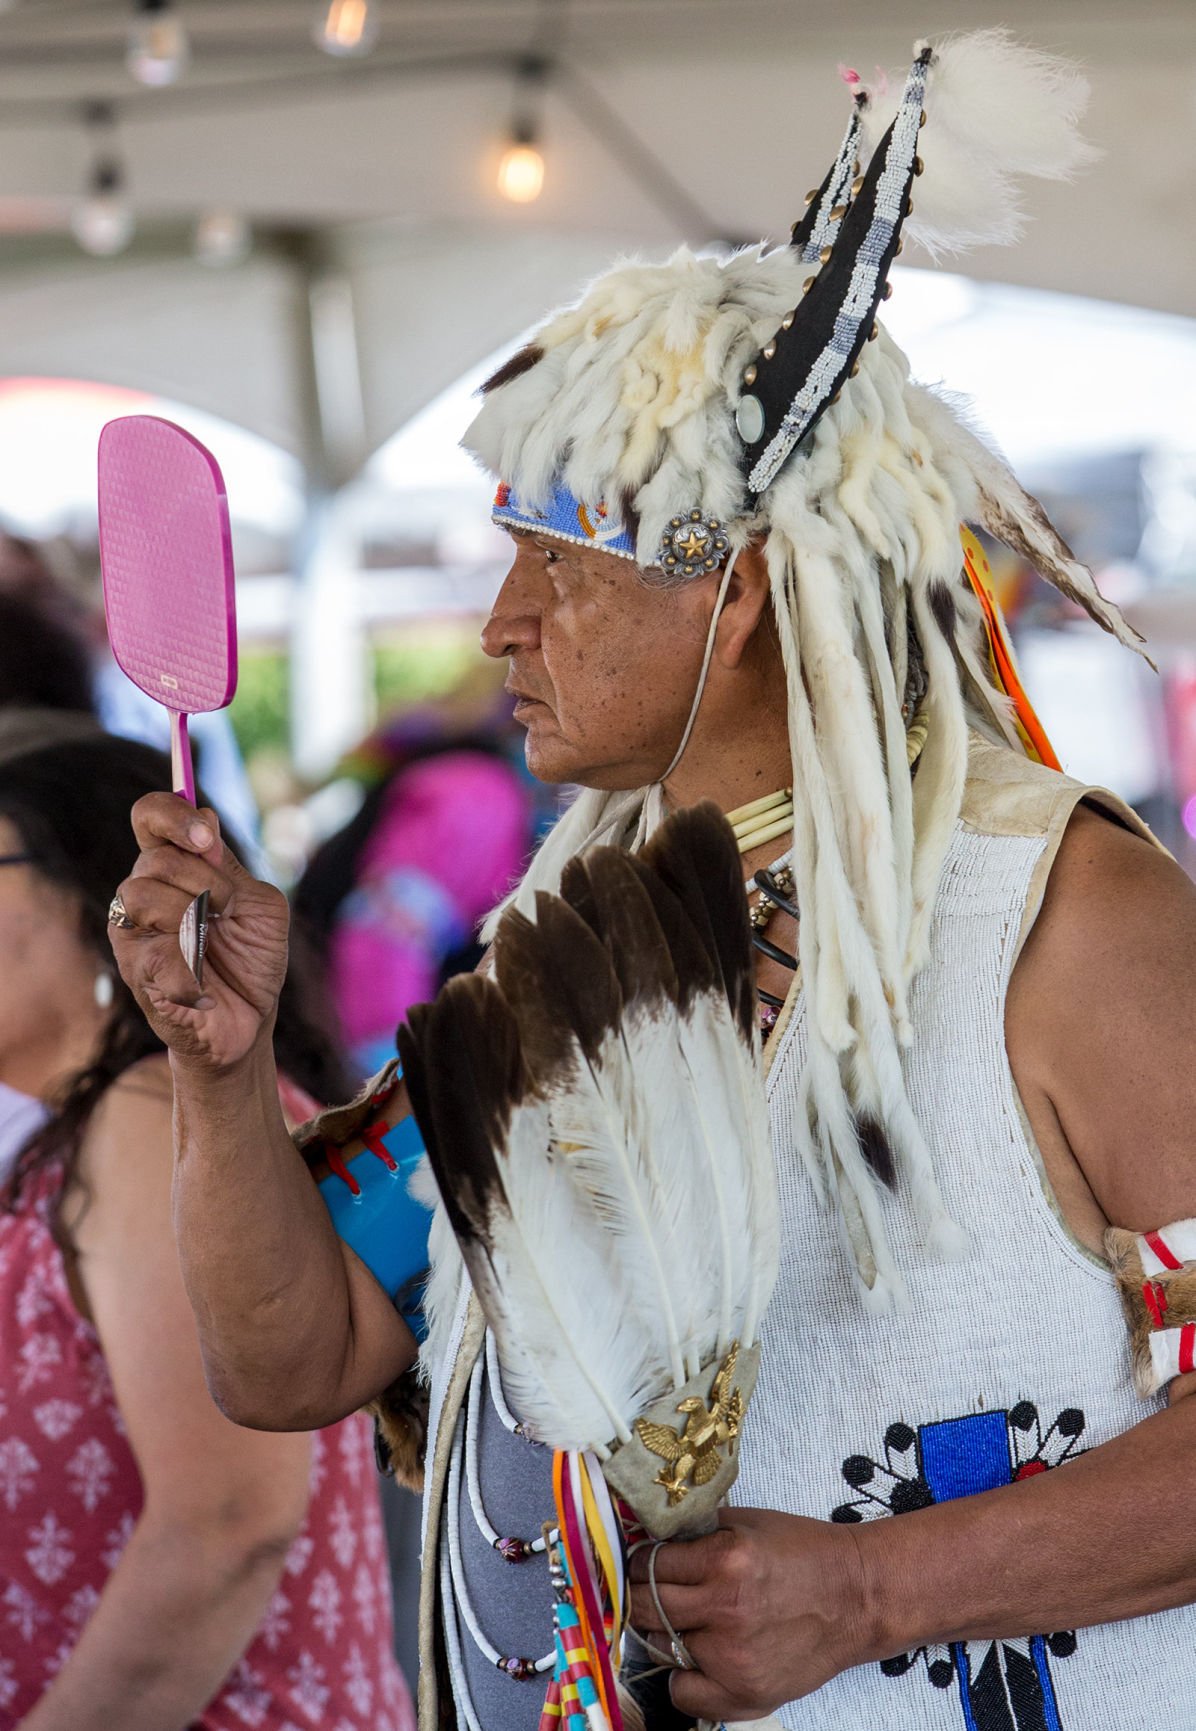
382	1223
566	518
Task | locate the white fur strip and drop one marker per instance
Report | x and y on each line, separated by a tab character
1169	1248
1171	1354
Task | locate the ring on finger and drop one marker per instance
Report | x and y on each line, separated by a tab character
118	915
683	1659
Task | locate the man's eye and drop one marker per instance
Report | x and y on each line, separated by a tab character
551	556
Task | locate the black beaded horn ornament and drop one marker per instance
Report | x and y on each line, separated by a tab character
801	369
827	205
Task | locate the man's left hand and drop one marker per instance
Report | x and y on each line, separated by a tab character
770	1607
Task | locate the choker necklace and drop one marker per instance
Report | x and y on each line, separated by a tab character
762	820
771	815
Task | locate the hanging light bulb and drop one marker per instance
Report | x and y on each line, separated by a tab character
521	171
102	220
223	237
158	47
346	26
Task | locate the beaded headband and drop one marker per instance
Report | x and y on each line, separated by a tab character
692	542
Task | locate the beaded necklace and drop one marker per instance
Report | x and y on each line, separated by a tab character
763	820
454	1591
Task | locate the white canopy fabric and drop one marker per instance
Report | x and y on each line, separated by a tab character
662	120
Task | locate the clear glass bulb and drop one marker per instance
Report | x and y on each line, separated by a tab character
103	222
347	26
223	237
521	174
158	46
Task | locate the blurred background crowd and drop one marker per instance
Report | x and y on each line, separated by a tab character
306	232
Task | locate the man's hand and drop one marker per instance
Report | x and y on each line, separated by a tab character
770	1607
181	855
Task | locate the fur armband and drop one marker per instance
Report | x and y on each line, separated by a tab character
1156	1277
341	1123
400	1415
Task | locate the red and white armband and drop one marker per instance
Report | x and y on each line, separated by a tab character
1156	1277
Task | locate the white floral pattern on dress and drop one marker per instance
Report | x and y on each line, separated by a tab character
325	1603
18	1471
70	1498
56	1418
49	1552
90	1472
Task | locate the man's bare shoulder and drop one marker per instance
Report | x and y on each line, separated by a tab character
1102	1018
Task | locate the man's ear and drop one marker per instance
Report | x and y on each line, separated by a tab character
746	606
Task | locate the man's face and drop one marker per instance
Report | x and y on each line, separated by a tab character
603	666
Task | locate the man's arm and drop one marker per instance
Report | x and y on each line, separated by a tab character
294	1331
1100	1029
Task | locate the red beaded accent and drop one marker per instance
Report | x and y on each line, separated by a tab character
336	1164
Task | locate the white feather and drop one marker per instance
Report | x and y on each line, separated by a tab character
996	110
636	1235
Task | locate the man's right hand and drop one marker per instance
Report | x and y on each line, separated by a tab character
182	854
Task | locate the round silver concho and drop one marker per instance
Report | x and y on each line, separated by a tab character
693	543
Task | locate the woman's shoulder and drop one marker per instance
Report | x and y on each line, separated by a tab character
131	1119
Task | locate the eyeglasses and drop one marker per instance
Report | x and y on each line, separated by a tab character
16	859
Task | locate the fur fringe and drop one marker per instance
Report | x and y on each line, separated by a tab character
633	400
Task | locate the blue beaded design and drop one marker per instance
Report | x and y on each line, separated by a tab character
565	517
383	1224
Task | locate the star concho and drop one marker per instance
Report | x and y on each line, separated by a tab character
693	543
694	1454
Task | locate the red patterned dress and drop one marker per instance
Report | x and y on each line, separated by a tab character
70	1494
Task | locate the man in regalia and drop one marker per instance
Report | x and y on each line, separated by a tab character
738	575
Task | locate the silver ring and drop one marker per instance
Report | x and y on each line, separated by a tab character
118	916
683	1659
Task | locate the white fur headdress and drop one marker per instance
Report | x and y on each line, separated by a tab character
631	398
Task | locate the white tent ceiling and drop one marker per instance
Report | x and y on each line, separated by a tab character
371	183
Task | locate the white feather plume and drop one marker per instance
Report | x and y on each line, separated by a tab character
996	110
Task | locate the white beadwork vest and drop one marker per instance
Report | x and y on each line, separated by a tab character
1008	1363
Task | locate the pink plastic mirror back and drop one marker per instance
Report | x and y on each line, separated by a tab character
166	553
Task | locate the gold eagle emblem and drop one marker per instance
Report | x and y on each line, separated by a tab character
694	1454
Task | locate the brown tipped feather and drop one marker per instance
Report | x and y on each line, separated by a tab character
696	856
466	1077
696	968
620	911
559	981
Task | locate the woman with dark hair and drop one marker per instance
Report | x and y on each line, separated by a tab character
45	659
159	1567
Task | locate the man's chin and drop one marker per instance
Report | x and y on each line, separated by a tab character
551	761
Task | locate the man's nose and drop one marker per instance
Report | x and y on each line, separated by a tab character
514	621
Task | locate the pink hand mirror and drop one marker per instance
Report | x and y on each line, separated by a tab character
169	592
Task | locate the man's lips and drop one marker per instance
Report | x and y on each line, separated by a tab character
525	700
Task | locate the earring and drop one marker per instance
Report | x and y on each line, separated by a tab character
105	989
